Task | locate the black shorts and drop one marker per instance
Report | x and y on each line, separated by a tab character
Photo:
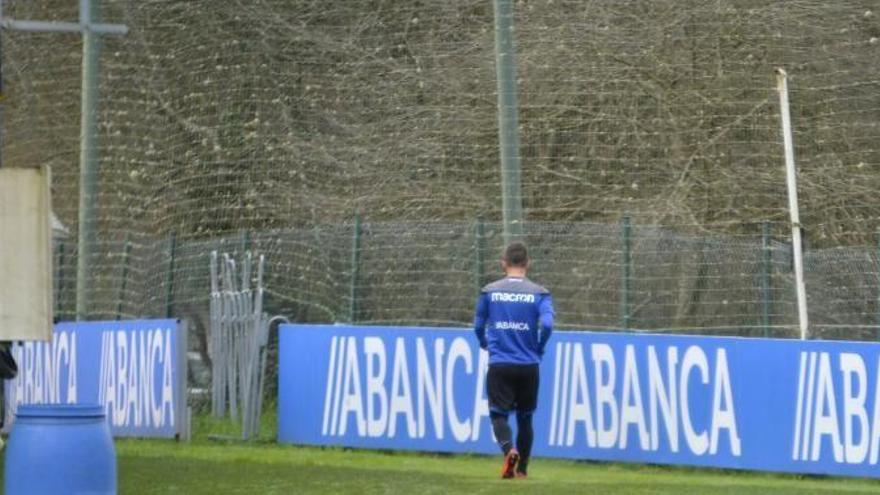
512	387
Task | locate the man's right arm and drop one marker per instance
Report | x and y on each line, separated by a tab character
481	316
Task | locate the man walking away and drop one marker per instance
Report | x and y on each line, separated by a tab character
514	320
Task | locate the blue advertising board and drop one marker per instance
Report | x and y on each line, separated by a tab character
136	369
762	404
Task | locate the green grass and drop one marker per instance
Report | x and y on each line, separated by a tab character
212	467
148	467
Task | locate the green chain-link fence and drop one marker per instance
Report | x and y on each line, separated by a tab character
609	277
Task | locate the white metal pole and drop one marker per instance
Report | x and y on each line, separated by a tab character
791	180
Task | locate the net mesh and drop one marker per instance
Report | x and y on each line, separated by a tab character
283	118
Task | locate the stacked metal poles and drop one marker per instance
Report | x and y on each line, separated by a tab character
239	340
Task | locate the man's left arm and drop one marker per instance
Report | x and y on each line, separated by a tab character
545	321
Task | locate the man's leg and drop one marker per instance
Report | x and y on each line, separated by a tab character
501	401
503	435
527	402
525	435
502	431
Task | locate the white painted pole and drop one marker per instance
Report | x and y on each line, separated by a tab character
791	180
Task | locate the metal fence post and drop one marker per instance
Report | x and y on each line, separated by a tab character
479	251
59	277
626	280
169	276
245	241
355	269
877	309
126	252
766	267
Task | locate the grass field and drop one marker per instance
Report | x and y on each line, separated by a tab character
147	467
205	467
212	467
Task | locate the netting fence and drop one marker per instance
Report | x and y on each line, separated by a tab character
267	124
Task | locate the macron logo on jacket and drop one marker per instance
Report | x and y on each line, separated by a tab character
512	297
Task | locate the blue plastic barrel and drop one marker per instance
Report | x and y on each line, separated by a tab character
60	449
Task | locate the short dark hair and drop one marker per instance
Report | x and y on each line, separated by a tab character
516	254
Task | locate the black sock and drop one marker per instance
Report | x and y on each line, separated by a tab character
502	431
524	437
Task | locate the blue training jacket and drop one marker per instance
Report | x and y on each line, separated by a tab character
514	320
